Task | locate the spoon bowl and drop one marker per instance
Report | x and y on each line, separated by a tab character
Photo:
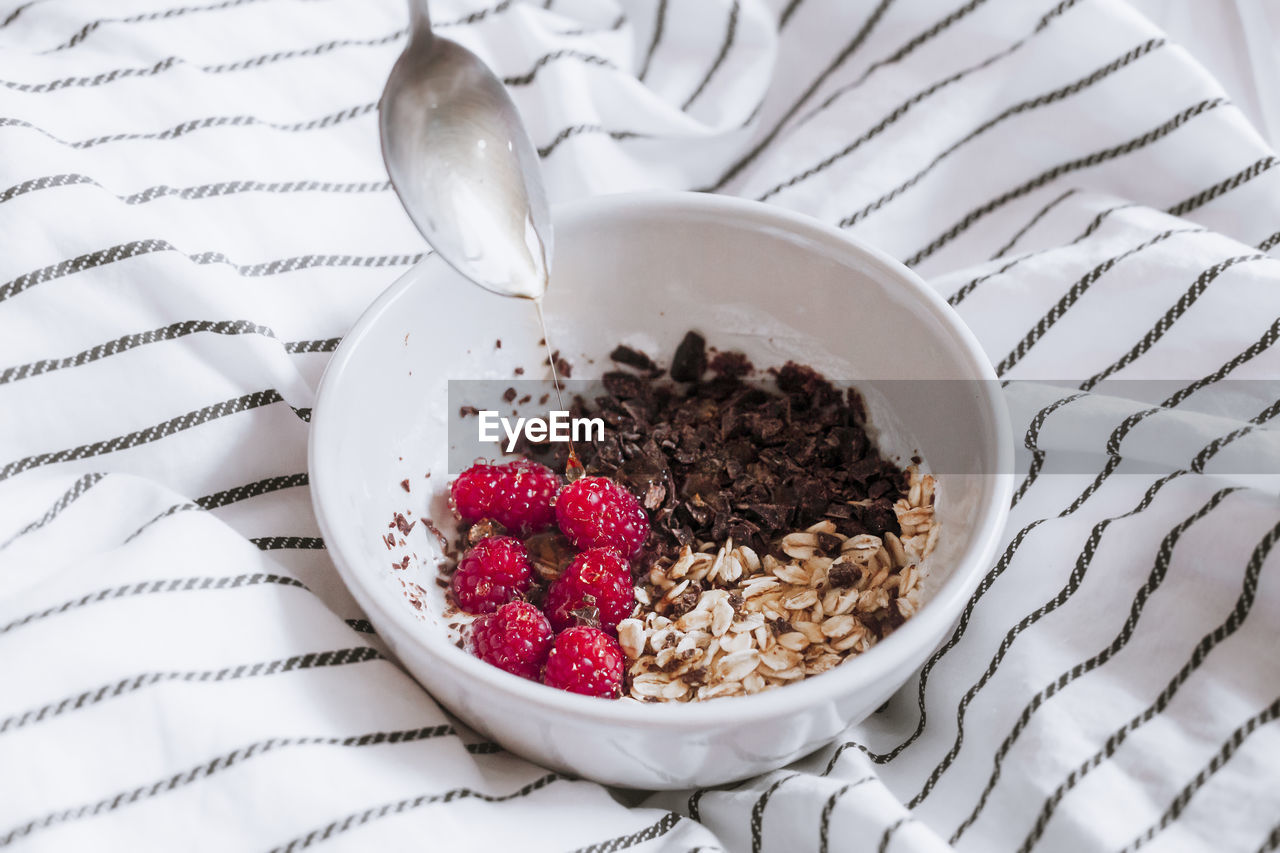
462	164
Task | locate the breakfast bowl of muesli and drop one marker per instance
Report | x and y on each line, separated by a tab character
799	470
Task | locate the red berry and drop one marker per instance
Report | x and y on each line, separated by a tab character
518	495
496	570
599	579
516	638
596	511
585	660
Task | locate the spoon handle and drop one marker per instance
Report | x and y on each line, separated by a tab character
419	18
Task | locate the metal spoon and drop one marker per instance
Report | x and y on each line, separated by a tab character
462	163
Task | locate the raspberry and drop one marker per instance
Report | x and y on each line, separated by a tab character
492	573
596	511
516	638
518	495
598	579
585	660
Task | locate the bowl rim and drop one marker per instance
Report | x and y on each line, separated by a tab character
881	661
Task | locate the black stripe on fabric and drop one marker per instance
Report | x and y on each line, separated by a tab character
1262	344
1270	243
153	587
288	543
166	333
849	49
206	769
1088	161
787	13
566	53
318	345
196	192
253	490
659	23
1033	473
163	14
889	830
579	130
664	825
1205	196
1073	294
695	799
1156	577
1031	441
230	496
960	295
1208	642
70	496
18	10
905	107
362	626
1025	106
128	342
474	17
357	819
485	748
1272	841
1044	211
81	263
584	31
757	813
954	16
146	436
137	248
175	61
1074	580
1185	301
1229	747
313	660
731	31
186	506
1211	449
824	823
186	127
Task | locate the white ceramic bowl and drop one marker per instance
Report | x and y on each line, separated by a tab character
645	269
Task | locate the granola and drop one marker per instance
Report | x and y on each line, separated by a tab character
725	621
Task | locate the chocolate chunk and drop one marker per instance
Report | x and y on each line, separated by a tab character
723	458
843	574
690	360
508	395
624	354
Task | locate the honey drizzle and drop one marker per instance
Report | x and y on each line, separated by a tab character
573	468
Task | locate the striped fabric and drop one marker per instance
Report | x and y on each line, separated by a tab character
193	212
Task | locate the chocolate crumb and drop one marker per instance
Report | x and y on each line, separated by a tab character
497	344
508	395
467	410
402	524
519	371
731	364
404	484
